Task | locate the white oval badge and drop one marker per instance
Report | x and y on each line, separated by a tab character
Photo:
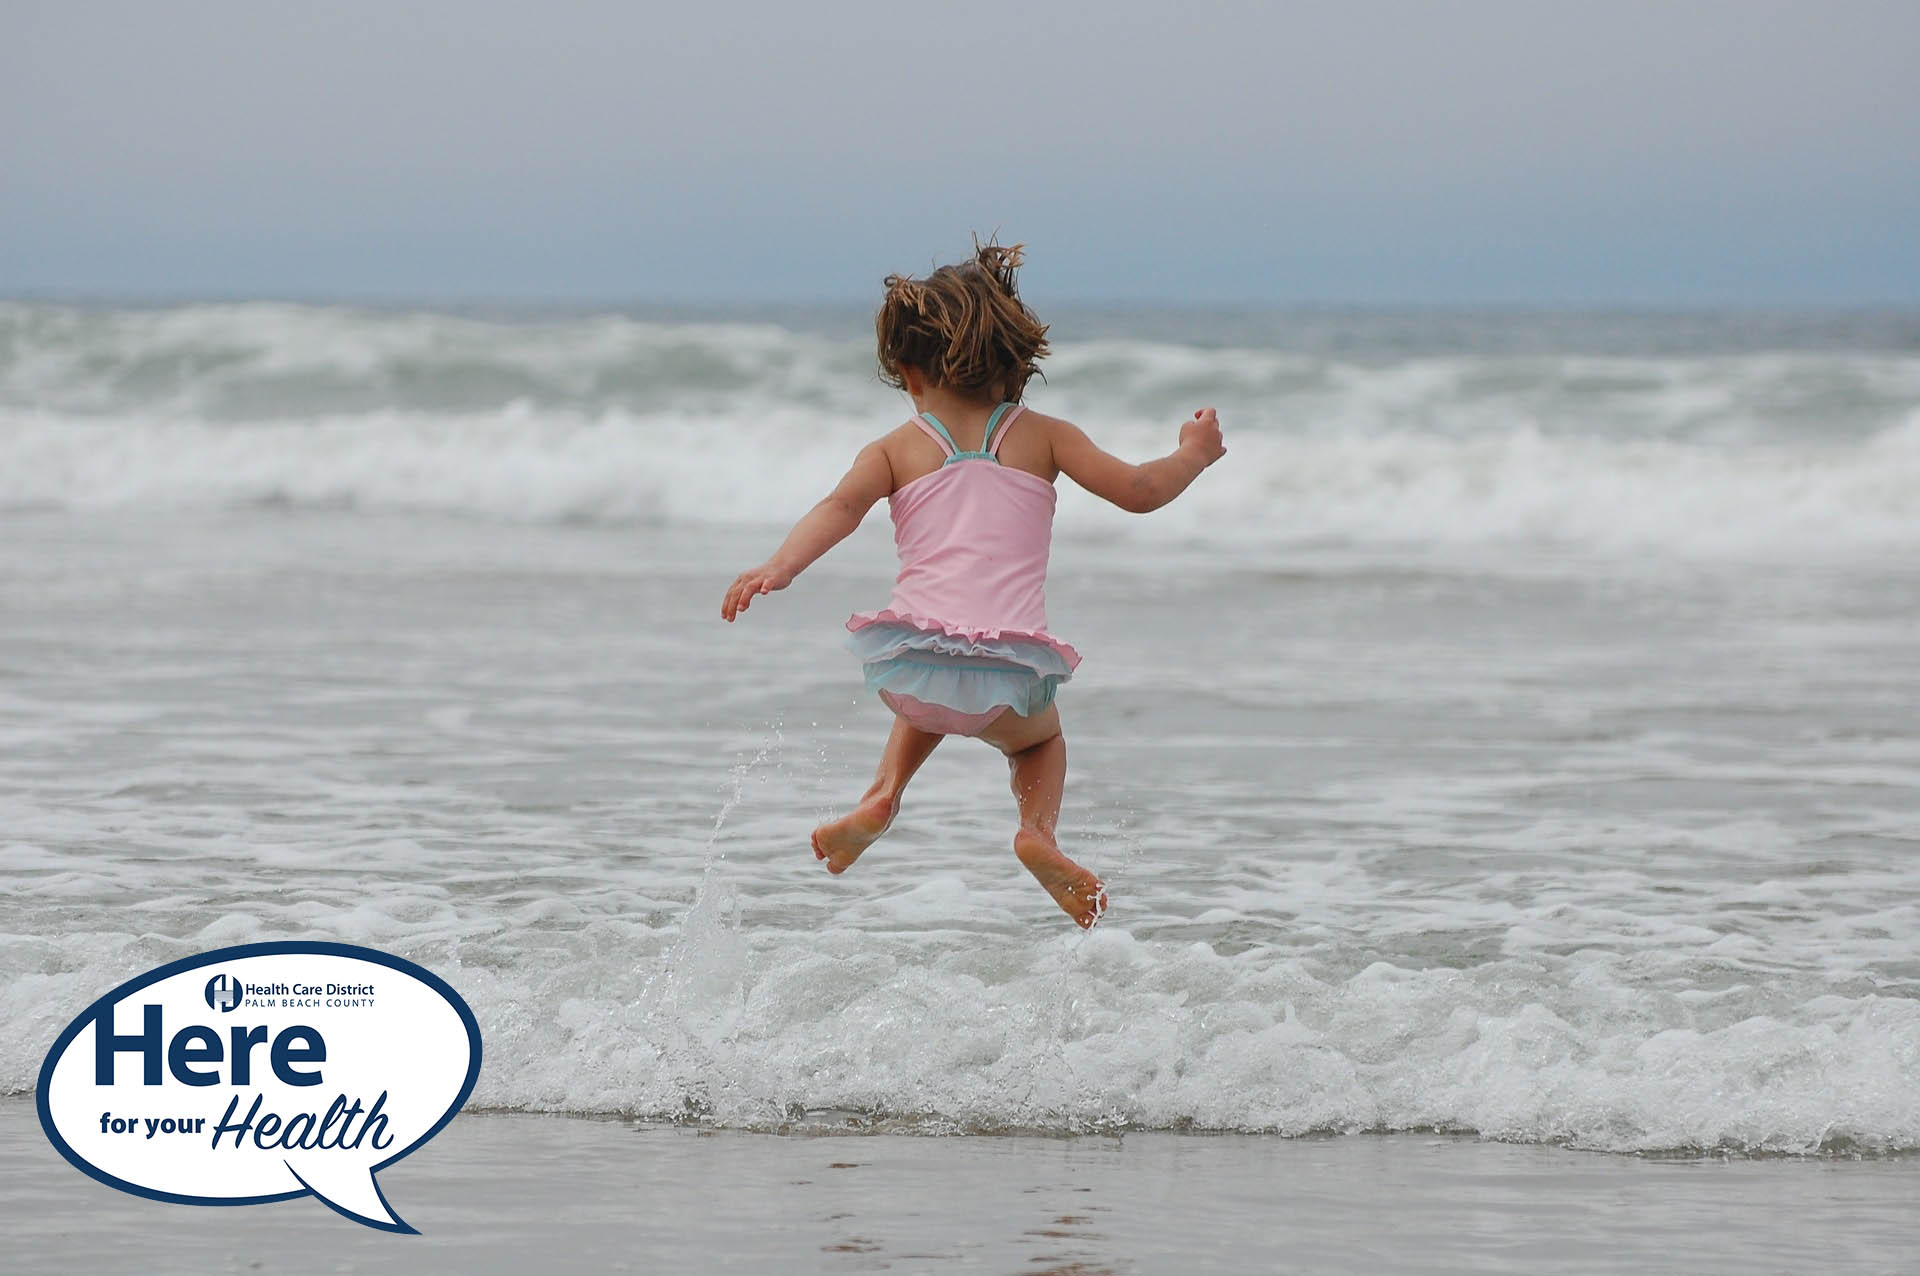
262	1073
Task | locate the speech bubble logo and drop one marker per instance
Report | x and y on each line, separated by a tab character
297	1067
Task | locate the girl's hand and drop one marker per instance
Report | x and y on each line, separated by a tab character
750	584
1202	436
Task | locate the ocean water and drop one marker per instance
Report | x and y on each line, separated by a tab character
1517	734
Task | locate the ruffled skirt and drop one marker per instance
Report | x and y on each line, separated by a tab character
919	667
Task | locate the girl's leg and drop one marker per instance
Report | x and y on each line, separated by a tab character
1037	756
839	842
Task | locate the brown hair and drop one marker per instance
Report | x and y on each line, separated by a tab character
963	326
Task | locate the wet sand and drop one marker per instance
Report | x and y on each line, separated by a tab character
516	1193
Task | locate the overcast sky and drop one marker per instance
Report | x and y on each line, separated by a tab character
1550	152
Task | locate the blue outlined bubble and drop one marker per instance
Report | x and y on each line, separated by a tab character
295	1068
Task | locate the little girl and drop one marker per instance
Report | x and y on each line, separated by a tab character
963	647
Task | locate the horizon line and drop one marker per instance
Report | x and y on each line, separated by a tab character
154	299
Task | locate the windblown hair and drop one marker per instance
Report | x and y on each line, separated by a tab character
964	327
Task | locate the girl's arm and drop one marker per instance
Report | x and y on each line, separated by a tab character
1139	489
819	530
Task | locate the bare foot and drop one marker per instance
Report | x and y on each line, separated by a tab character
1075	889
839	842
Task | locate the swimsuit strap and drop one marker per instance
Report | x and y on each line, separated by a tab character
930	426
994	441
951	448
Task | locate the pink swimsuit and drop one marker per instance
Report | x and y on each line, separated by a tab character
964	637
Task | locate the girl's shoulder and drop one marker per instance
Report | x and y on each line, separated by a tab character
902	441
1032	418
1028	445
1044	425
910	454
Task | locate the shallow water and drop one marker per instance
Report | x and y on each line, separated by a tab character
1543	846
1518	734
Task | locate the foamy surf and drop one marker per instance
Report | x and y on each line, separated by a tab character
1109	1033
1810	454
401	630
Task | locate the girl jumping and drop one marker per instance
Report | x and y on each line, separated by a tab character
963	647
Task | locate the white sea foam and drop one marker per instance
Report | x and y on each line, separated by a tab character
610	418
1543	860
1615	859
1111	1032
1524	487
975	1031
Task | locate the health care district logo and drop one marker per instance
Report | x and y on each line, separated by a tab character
262	1073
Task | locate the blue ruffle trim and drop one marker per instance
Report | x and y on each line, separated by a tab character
971	675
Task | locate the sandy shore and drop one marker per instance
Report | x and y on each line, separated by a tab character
520	1193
